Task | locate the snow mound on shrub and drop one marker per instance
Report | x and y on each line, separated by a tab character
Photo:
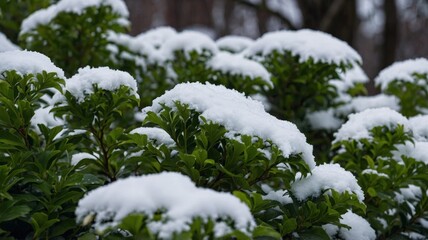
402	71
238	65
349	79
361	103
238	114
157	134
188	41
44	16
416	150
307	44
27	62
6	44
175	194
45	117
359	124
324	177
235	44
419	125
105	78
360	228
324	119
157	36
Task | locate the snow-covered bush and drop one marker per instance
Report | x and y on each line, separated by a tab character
378	147
302	64
71	31
408	81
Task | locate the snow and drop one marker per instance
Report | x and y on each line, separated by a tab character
6	44
27	62
188	41
349	79
147	50
280	196
44	16
360	228
374	172
76	158
416	150
359	124
238	65
325	177
45	117
411	192
402	71
157	134
81	84
419	126
324	119
235	44
175	194
307	44
238	114
361	103
157	36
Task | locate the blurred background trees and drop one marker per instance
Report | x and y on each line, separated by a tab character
382	31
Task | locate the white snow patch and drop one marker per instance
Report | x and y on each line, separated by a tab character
360	228
44	16
45	117
6	44
76	158
307	44
402	71
157	134
238	65
81	84
416	150
174	193
280	196
361	103
188	41
374	172
359	124
157	36
238	114
419	126
324	119
325	177
27	62
236	44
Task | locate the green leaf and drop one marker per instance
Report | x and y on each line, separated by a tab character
265	231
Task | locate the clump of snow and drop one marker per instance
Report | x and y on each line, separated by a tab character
188	41
279	196
325	177
157	36
419	126
142	48
374	172
360	228
238	65
27	62
6	44
235	44
45	117
157	134
361	103
76	158
411	192
416	150
307	44
81	84
349	79
263	99
175	194
44	16
324	119
402	71
238	114
359	124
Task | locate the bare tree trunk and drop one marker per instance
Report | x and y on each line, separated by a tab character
390	33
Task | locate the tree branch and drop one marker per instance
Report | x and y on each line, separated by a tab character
274	13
